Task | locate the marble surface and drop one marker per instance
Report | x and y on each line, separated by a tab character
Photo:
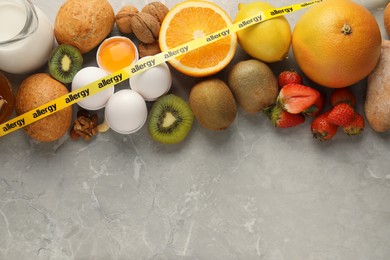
249	192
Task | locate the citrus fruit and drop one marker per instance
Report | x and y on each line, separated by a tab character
336	43
268	41
190	20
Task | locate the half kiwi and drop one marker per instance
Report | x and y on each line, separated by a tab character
170	119
64	62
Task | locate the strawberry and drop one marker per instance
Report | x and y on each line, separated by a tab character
356	126
322	129
317	107
289	77
281	118
342	114
295	98
342	95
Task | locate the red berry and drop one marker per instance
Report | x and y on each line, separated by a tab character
356	126
295	98
289	77
283	119
322	129
342	95
342	114
317	107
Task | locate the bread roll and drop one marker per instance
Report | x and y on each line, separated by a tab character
377	104
84	24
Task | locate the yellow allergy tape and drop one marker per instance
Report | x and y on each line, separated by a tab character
141	66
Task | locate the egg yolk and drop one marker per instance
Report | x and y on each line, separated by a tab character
115	54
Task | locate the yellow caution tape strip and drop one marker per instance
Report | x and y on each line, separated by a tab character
141	66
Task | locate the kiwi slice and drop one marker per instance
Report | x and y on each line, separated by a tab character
170	119
64	62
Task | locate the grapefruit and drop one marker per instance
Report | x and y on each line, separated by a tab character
337	43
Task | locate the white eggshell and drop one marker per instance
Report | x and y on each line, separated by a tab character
126	111
152	83
86	76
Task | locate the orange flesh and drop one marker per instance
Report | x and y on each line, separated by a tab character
204	21
115	54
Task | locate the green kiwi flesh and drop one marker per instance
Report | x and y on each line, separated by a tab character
170	119
64	62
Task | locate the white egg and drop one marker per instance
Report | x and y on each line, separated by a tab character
126	111
152	83
86	76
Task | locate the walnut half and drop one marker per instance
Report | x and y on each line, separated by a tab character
86	126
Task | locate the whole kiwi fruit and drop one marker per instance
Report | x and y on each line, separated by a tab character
64	62
36	90
170	119
213	104
253	84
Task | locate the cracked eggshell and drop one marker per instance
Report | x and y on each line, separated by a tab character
86	76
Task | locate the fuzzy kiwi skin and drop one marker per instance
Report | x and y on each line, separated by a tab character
180	128
36	90
253	84
213	104
61	52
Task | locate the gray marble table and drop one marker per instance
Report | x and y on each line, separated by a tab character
250	192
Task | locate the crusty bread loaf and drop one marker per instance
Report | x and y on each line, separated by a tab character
36	90
84	24
377	104
386	18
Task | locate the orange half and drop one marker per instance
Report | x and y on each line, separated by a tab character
190	20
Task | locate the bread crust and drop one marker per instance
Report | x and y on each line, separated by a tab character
377	103
84	24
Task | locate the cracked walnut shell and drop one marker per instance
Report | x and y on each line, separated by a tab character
145	27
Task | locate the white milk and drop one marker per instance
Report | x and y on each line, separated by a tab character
12	20
30	53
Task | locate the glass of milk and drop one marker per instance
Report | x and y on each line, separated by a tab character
26	37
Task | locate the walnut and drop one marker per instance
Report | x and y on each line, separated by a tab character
148	49
85	126
145	27
157	9
123	18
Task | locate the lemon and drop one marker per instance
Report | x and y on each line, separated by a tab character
268	41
